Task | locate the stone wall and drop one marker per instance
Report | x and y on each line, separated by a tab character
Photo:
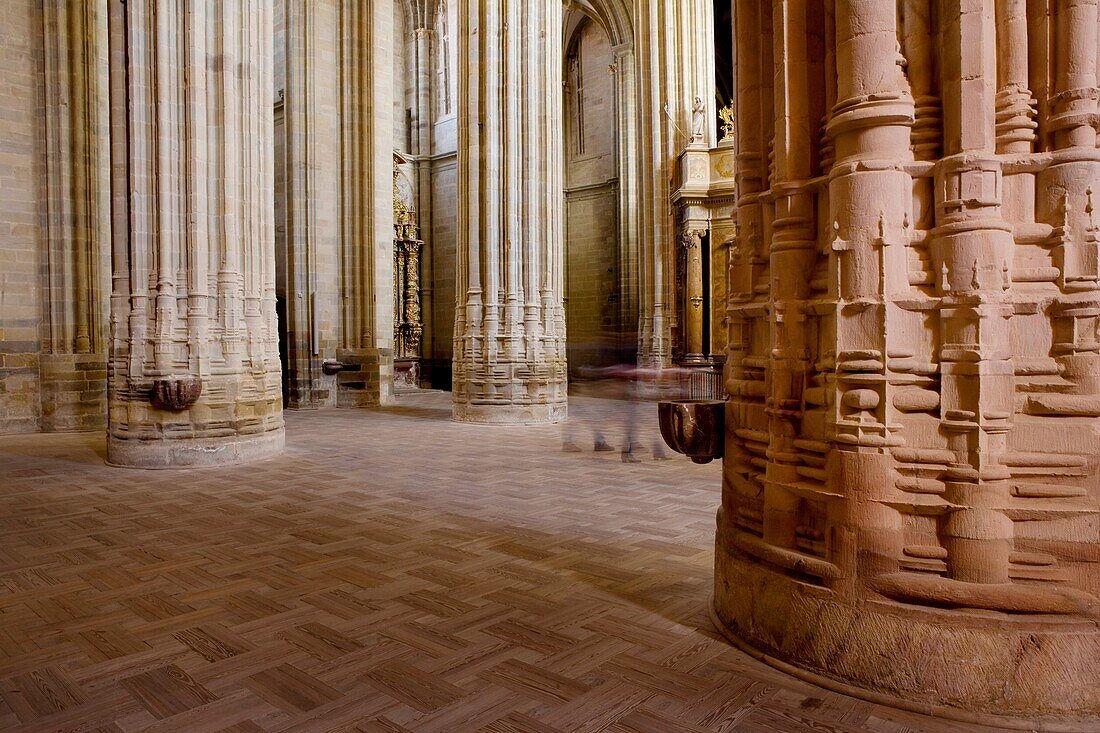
22	231
54	229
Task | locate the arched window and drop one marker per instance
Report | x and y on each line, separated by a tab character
444	94
576	86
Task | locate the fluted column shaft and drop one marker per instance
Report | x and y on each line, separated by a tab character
194	372
509	354
424	150
366	203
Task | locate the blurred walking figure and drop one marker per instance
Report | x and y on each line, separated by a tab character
582	421
629	386
648	386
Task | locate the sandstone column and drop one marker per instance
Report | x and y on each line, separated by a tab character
509	358
194	371
971	246
911	478
366	204
311	103
691	243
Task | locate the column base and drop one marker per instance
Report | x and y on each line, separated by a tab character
366	379
74	392
1035	673
193	452
509	414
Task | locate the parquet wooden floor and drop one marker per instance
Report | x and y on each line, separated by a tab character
393	571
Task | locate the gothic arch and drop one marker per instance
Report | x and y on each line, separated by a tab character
615	16
613	20
416	12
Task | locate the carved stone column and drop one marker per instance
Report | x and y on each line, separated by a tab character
194	371
970	245
918	43
509	354
911	458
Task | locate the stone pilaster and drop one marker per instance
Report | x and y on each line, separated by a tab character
73	362
313	152
366	205
509	358
424	145
194	370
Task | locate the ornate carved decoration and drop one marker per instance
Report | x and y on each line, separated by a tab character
914	361
407	325
726	114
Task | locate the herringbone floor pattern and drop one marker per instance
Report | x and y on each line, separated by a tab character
393	571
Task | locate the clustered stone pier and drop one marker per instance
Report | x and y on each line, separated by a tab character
194	375
911	498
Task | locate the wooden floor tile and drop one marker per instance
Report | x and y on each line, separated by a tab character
391	572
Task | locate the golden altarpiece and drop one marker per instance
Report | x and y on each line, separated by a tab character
407	324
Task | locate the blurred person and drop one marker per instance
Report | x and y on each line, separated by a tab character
648	385
583	416
629	386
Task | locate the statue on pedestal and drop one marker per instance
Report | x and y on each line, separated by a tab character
698	120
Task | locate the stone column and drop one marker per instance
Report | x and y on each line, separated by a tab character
972	248
911	462
1070	188
366	204
631	217
655	268
194	371
744	377
313	155
691	243
509	361
424	145
918	43
1015	106
684	31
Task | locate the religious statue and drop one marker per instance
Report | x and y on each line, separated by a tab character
698	120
